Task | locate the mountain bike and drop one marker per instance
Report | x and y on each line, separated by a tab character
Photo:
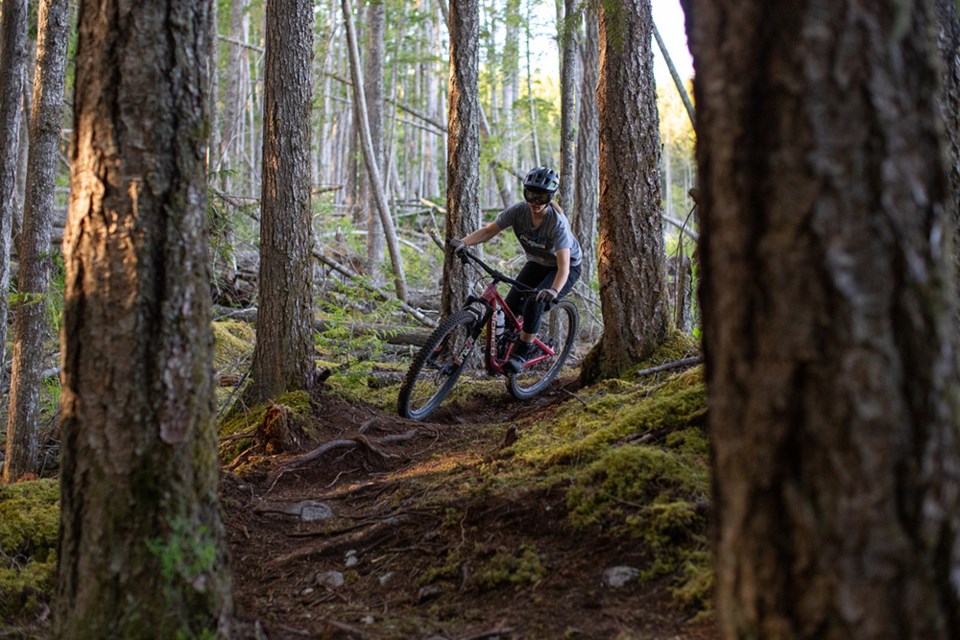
452	346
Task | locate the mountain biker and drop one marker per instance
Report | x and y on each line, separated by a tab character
553	254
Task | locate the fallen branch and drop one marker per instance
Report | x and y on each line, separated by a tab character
676	364
379	532
339	268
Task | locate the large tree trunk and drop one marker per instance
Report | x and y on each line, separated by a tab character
36	261
141	549
373	93
463	145
13	55
586	194
828	305
633	290
283	356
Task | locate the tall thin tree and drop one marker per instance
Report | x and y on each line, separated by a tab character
13	55
631	270
36	260
369	155
283	358
567	38
463	144
828	301
141	550
373	93
586	193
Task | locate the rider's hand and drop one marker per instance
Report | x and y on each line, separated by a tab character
547	295
457	245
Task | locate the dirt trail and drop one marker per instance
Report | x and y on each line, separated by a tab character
416	547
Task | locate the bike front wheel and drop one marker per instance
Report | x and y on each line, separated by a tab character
437	366
559	333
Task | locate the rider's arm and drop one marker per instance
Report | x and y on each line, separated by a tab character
563	269
482	234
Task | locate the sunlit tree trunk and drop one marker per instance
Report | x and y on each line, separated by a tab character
13	55
828	301
587	189
141	549
36	261
283	356
463	146
633	290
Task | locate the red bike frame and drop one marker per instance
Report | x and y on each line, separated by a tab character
493	301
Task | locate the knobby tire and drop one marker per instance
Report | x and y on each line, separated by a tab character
432	374
531	381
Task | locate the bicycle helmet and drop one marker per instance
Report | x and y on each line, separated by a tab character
543	179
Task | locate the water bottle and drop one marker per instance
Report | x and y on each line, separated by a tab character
499	322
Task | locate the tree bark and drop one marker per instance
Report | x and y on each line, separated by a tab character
828	301
373	93
463	146
568	101
283	356
141	548
13	55
586	194
948	40
36	259
633	290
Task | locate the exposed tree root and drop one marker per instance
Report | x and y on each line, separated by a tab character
366	537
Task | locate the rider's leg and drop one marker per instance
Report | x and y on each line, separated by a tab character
533	309
531	275
533	312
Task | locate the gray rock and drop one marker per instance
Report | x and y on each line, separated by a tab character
310	510
616	577
330	579
351	558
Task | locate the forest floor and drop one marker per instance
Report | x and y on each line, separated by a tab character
432	530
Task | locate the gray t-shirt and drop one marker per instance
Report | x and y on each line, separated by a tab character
541	244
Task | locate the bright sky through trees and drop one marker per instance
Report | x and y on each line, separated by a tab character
668	16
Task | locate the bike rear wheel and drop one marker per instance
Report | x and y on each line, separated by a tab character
437	366
561	324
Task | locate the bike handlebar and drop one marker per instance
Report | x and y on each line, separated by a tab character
496	275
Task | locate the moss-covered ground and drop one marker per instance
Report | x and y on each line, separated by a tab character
29	517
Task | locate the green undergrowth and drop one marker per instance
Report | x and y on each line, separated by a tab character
233	343
29	517
632	458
